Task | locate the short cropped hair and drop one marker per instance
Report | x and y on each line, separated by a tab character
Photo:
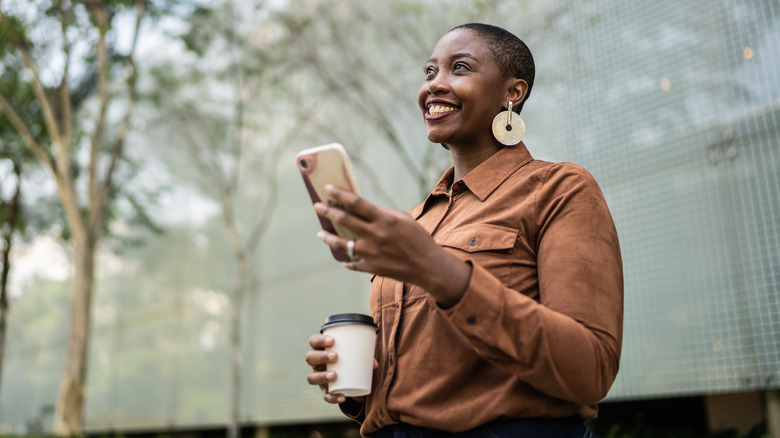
510	52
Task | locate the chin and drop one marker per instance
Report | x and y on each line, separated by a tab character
440	139
436	138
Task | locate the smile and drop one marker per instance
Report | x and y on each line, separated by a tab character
436	110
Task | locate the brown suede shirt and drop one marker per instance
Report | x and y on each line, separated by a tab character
538	331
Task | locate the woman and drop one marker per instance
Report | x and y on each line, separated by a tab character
499	299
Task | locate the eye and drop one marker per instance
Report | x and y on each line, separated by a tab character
429	70
461	66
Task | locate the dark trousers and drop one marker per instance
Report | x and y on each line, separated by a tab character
500	428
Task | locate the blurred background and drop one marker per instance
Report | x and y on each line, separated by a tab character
159	136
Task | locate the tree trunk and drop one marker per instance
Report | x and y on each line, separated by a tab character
9	230
236	356
70	403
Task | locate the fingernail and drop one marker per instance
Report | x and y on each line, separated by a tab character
331	189
321	235
342	399
320	207
331	356
331	375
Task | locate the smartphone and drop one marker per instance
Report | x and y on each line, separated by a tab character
328	164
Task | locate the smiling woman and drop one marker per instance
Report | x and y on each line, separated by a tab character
499	299
464	88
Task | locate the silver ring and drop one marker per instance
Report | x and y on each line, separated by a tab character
351	248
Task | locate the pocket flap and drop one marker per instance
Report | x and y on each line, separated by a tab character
482	237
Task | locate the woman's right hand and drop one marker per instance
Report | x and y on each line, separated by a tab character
318	359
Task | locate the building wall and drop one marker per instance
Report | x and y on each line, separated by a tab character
673	106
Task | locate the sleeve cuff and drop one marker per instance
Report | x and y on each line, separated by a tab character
480	307
353	409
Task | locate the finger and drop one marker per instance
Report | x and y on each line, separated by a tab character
345	218
319	357
321	377
342	217
341	245
359	265
352	202
333	398
318	341
335	242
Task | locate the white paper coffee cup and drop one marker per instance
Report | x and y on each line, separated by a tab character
354	337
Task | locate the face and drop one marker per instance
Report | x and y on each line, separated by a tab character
463	90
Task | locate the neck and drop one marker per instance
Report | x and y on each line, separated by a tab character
467	158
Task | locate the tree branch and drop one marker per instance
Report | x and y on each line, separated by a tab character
132	84
12	221
99	17
240	108
261	226
207	166
231	229
67	121
320	69
24	131
38	89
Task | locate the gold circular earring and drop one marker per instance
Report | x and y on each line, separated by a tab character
508	128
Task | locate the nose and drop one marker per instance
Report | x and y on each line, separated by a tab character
436	85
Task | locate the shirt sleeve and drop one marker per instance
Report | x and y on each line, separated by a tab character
354	409
568	343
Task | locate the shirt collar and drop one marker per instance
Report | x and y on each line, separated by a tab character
495	170
484	178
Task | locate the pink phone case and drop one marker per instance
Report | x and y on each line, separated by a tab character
328	164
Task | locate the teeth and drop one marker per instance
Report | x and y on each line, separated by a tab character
435	110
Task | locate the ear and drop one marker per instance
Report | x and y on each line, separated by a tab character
516	90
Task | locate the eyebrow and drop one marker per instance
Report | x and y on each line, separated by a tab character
456	56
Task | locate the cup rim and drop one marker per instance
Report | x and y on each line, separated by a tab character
348	319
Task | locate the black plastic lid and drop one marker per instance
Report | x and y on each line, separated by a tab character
348	319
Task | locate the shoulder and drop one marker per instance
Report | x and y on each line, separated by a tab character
565	186
565	175
564	170
546	176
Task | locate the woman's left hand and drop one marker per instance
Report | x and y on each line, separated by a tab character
394	245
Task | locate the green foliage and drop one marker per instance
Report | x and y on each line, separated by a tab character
12	31
13	148
200	35
127	204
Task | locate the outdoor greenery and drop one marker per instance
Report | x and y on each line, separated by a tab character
147	146
229	84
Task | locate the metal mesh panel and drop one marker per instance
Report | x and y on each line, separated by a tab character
673	106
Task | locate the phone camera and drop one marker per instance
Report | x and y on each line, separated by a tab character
304	164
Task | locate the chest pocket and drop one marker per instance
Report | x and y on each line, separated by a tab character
489	245
478	238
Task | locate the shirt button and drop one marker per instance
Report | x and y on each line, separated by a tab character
473	242
471	319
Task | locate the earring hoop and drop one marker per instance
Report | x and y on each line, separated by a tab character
506	130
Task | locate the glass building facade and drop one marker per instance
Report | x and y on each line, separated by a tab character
673	106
